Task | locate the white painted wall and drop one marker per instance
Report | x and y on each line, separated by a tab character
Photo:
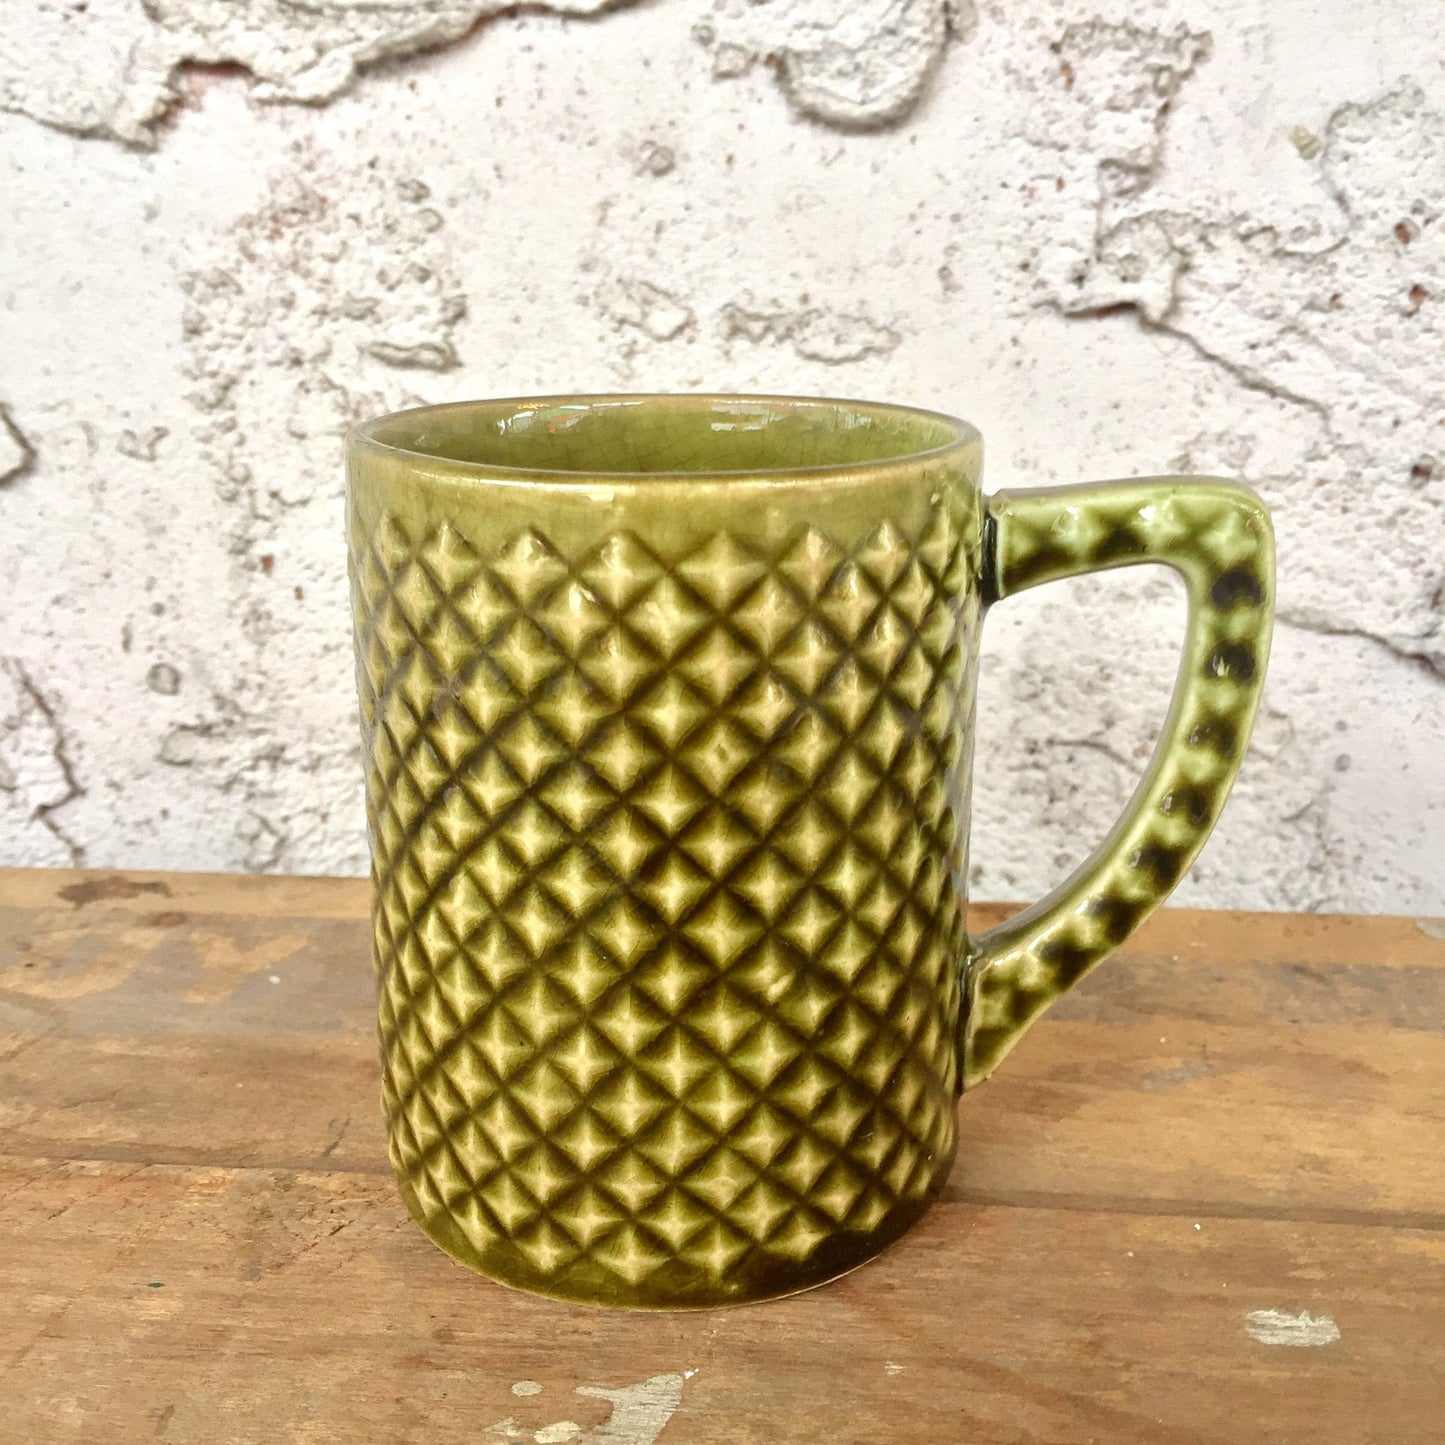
1123	238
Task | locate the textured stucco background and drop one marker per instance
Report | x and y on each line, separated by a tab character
1123	238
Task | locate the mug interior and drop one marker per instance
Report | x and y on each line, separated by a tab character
654	436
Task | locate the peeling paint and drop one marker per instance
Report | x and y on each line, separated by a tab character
659	313
38	778
559	1433
815	333
1123	243
638	1416
861	66
320	308
265	843
1118	84
1299	1330
164	679
142	446
17	455
655	160
314	286
1292	318
418	356
119	69
640	1412
128	68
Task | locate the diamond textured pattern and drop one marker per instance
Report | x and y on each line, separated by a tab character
667	856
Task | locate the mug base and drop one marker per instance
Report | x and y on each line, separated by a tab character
679	1284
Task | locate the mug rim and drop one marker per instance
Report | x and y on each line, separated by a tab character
363	437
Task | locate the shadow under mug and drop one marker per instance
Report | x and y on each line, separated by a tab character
667	706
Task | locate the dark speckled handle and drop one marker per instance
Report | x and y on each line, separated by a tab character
1217	536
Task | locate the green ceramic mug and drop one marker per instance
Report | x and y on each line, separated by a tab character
667	707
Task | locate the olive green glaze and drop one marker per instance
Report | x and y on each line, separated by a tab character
667	708
1217	537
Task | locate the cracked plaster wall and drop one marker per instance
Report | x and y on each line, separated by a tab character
1122	238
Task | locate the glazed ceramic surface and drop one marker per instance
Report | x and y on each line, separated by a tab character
667	708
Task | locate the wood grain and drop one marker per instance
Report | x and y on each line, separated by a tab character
199	1237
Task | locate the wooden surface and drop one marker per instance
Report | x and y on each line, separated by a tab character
1236	1123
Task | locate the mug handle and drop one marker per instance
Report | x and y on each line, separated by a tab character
1217	536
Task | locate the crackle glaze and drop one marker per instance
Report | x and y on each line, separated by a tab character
667	710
